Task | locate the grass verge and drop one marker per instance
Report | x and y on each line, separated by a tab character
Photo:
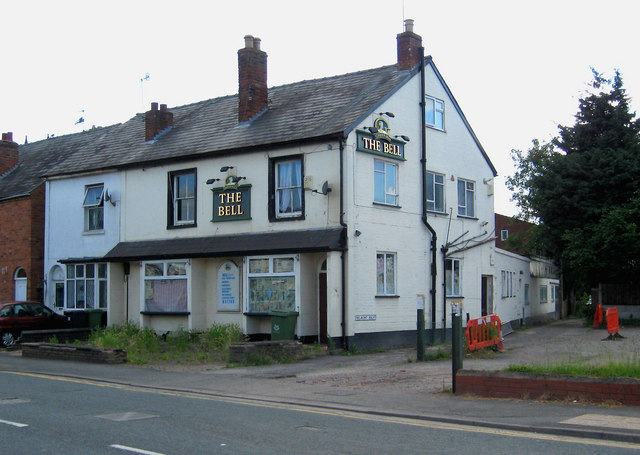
615	369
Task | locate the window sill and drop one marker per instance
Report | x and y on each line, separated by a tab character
455	297
166	313
382	204
433	127
287	218
390	296
96	232
435	212
468	217
255	314
182	226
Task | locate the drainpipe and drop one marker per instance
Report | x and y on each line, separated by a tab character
423	162
345	342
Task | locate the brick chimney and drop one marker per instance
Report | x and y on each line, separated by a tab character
156	121
252	79
8	153
409	45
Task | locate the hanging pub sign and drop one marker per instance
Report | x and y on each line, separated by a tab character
377	140
231	202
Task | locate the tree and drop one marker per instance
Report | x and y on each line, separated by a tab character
583	189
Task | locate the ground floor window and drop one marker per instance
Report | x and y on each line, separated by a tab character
386	273
272	283
453	277
166	286
508	284
543	294
86	286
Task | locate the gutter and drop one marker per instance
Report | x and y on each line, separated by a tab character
423	162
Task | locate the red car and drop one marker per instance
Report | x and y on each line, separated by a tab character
18	316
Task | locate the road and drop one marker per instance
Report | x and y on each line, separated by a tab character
55	415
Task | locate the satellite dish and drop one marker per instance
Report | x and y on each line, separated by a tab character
325	188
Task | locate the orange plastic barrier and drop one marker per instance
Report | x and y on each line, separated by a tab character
484	332
597	317
613	325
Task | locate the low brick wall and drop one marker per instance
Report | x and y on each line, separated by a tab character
72	352
274	350
503	384
61	335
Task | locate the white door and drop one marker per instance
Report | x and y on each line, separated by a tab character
20	280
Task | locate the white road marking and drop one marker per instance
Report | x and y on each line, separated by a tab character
14	424
134	450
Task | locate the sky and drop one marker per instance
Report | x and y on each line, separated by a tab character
516	68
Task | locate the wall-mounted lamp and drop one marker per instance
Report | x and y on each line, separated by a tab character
403	137
210	181
225	168
235	179
357	233
372	129
388	114
485	181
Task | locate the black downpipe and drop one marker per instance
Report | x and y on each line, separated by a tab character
345	342
434	237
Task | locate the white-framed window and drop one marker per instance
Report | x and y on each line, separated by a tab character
466	198
434	112
165	286
526	294
288	188
554	293
504	234
57	285
543	293
435	192
386	268
508	284
453	277
93	205
272	282
86	286
385	182
182	198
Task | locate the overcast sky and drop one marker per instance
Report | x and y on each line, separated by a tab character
516	68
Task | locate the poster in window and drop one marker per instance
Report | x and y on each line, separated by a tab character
228	287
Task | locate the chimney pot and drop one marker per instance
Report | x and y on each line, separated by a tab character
408	25
256	43
248	41
154	106
7	137
163	107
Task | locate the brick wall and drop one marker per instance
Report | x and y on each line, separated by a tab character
501	384
22	243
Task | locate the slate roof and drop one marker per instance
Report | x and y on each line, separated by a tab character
297	112
283	242
38	158
302	111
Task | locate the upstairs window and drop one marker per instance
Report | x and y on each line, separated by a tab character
435	192
93	205
466	198
182	198
434	112
385	182
287	195
504	234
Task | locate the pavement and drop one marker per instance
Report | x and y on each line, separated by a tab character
393	384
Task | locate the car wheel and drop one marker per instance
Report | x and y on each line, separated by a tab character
7	339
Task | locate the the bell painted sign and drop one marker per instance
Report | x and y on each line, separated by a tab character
378	141
232	203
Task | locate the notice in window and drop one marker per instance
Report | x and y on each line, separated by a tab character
228	287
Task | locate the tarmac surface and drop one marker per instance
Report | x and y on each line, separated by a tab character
392	383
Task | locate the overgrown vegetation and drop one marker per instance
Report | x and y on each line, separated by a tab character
144	346
629	368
